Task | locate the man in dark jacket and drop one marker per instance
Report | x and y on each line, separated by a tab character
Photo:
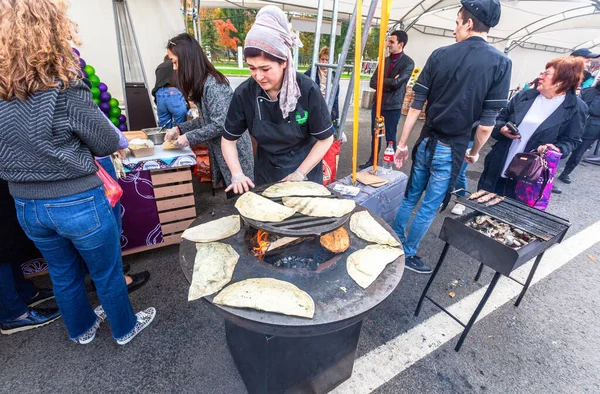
398	69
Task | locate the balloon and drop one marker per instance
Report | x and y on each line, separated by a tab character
75	51
84	74
115	121
96	101
122	119
89	70
95	92
105	107
123	127
105	97
103	88
81	63
114	102
94	80
115	112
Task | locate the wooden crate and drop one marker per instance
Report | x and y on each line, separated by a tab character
174	195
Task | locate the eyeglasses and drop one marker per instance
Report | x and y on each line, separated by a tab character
172	43
546	74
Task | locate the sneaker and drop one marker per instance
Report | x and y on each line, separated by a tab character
458	209
36	317
415	264
42	295
144	318
90	334
564	177
138	280
556	189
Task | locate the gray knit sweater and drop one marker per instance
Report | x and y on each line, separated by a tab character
48	143
208	127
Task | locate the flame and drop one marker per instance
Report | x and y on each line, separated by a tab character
262	240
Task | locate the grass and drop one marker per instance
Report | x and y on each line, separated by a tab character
243	72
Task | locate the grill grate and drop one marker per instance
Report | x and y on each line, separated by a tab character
539	223
298	225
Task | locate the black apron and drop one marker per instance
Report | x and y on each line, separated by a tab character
281	148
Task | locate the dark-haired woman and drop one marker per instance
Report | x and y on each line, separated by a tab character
198	79
283	110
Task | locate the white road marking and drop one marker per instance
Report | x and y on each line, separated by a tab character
383	363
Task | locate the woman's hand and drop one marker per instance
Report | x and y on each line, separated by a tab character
401	156
172	134
505	131
543	148
181	141
240	183
296	176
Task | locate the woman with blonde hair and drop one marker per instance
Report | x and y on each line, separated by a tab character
51	130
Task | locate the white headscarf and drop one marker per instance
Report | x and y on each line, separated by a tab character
271	34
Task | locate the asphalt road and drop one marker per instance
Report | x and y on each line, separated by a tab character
550	344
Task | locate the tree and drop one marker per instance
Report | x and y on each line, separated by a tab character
208	29
224	38
372	46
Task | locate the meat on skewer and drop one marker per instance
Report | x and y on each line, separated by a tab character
486	198
495	201
477	194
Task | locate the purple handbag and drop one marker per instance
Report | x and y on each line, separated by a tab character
531	168
537	193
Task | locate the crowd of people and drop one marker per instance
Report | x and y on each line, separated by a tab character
50	160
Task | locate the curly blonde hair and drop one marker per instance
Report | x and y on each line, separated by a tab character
35	49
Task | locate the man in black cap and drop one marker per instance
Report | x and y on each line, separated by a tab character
462	83
586	55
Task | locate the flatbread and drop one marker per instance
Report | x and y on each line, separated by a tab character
256	207
215	230
337	241
302	189
365	265
213	268
269	295
364	226
320	206
168	145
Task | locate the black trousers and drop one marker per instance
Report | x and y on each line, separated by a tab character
577	154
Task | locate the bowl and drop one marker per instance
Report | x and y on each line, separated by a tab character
156	135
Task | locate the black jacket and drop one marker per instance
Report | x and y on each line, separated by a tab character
591	97
563	128
164	76
394	88
335	111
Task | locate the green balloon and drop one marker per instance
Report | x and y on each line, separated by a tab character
114	112
89	70
96	100
94	80
95	93
114	103
115	121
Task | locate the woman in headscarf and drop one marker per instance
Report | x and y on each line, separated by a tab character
283	110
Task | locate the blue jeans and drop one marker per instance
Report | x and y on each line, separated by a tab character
434	182
15	291
171	107
461	180
391	118
72	232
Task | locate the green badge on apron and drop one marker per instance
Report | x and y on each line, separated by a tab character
301	120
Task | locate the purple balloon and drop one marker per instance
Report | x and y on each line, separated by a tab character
105	97
122	119
123	127
105	107
84	74
103	88
82	63
76	51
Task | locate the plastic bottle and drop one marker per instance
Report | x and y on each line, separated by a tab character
388	158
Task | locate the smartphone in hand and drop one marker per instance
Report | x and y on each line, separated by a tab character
513	128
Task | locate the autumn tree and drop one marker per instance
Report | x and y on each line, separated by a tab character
224	37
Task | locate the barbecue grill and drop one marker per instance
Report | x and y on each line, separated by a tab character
277	353
549	229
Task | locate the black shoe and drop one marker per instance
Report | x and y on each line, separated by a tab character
41	296
138	280
366	165
415	264
35	318
126	268
556	189
564	177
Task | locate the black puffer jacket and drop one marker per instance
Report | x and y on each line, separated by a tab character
591	97
394	88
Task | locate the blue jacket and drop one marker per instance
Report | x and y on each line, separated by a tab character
563	128
335	111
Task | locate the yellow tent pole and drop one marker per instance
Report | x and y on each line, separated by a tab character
357	56
379	129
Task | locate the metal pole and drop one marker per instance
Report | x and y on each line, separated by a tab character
198	21
313	73
342	58
185	24
357	56
341	63
121	62
432	278
329	94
